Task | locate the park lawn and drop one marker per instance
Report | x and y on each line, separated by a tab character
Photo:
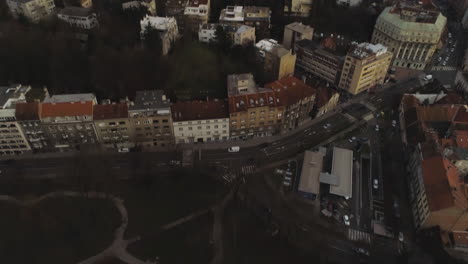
57	230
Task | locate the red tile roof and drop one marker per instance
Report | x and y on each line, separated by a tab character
110	111
460	238
291	90
199	110
28	111
239	103
437	113
461	137
67	109
462	115
324	94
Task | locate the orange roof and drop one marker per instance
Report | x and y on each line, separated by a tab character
291	90
27	111
409	101
460	237
198	110
436	172
437	113
67	109
110	111
328	43
461	137
462	115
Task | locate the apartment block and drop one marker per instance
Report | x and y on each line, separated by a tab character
78	17
239	34
365	67
253	111
278	62
113	127
326	100
295	32
200	121
299	8
150	5
323	60
33	10
412	32
196	12
166	28
28	117
254	16
150	116
68	121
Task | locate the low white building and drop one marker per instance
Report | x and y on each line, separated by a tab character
166	27
199	9
232	14
200	121
33	10
78	17
239	34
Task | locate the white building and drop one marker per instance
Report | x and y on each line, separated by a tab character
239	34
232	14
166	27
78	17
200	121
33	10
199	9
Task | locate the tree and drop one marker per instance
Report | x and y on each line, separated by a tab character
152	40
223	41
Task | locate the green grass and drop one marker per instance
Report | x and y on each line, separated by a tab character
58	230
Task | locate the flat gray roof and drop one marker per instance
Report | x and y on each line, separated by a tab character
65	98
342	168
150	100
310	174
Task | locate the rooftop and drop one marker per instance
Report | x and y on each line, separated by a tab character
271	46
330	48
342	167
290	90
110	111
62	109
232	13
417	12
150	100
65	98
365	50
10	95
76	11
28	111
263	97
159	23
411	19
196	3
199	110
241	84
299	27
310	174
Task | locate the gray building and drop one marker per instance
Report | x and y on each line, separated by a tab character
295	32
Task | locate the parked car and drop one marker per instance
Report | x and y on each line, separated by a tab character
362	251
401	238
377	128
351	139
234	149
124	150
394	123
346	220
376	184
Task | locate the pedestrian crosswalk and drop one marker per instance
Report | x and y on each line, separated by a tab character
358	235
444	68
247	170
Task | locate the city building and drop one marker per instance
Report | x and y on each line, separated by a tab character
150	116
278	62
78	17
200	121
253	111
322	59
113	126
33	10
295	32
239	34
365	67
149	5
412	32
309	183
196	12
12	139
297	98
28	117
342	169
166	28
254	16
326	100
67	120
300	8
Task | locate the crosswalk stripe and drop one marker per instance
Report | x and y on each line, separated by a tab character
357	235
444	68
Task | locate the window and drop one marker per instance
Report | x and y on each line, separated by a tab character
165	121
181	128
199	127
190	128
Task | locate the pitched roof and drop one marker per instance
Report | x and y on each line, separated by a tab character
264	97
199	110
67	109
28	111
324	94
462	115
110	111
291	90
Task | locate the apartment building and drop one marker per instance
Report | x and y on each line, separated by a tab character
253	111
278	62
299	8
323	60
326	100
78	17
196	12
12	138
200	121
166	28
33	10
254	16
150	116
298	99
28	117
113	127
365	67
67	119
239	34
295	32
412	32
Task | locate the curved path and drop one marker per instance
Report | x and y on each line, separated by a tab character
118	248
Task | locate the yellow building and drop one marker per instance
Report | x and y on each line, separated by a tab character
411	32
278	62
365	67
33	10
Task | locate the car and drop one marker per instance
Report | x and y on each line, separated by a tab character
346	220
287	183
124	150
377	128
351	139
234	149
363	139
452	50
362	251
394	123
401	238
444	63
439	59
376	184
279	171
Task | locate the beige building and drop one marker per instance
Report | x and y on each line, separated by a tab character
113	126
150	116
295	32
365	67
411	33
200	121
33	10
78	17
278	62
253	111
299	8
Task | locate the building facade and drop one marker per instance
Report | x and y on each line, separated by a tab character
319	60
150	5
411	33
33	10
365	67
254	16
150	117
327	99
200	121
28	118
239	34
113	126
295	32
461	81
78	17
166	28
196	12
300	8
278	62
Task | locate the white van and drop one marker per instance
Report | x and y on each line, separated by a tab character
234	149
